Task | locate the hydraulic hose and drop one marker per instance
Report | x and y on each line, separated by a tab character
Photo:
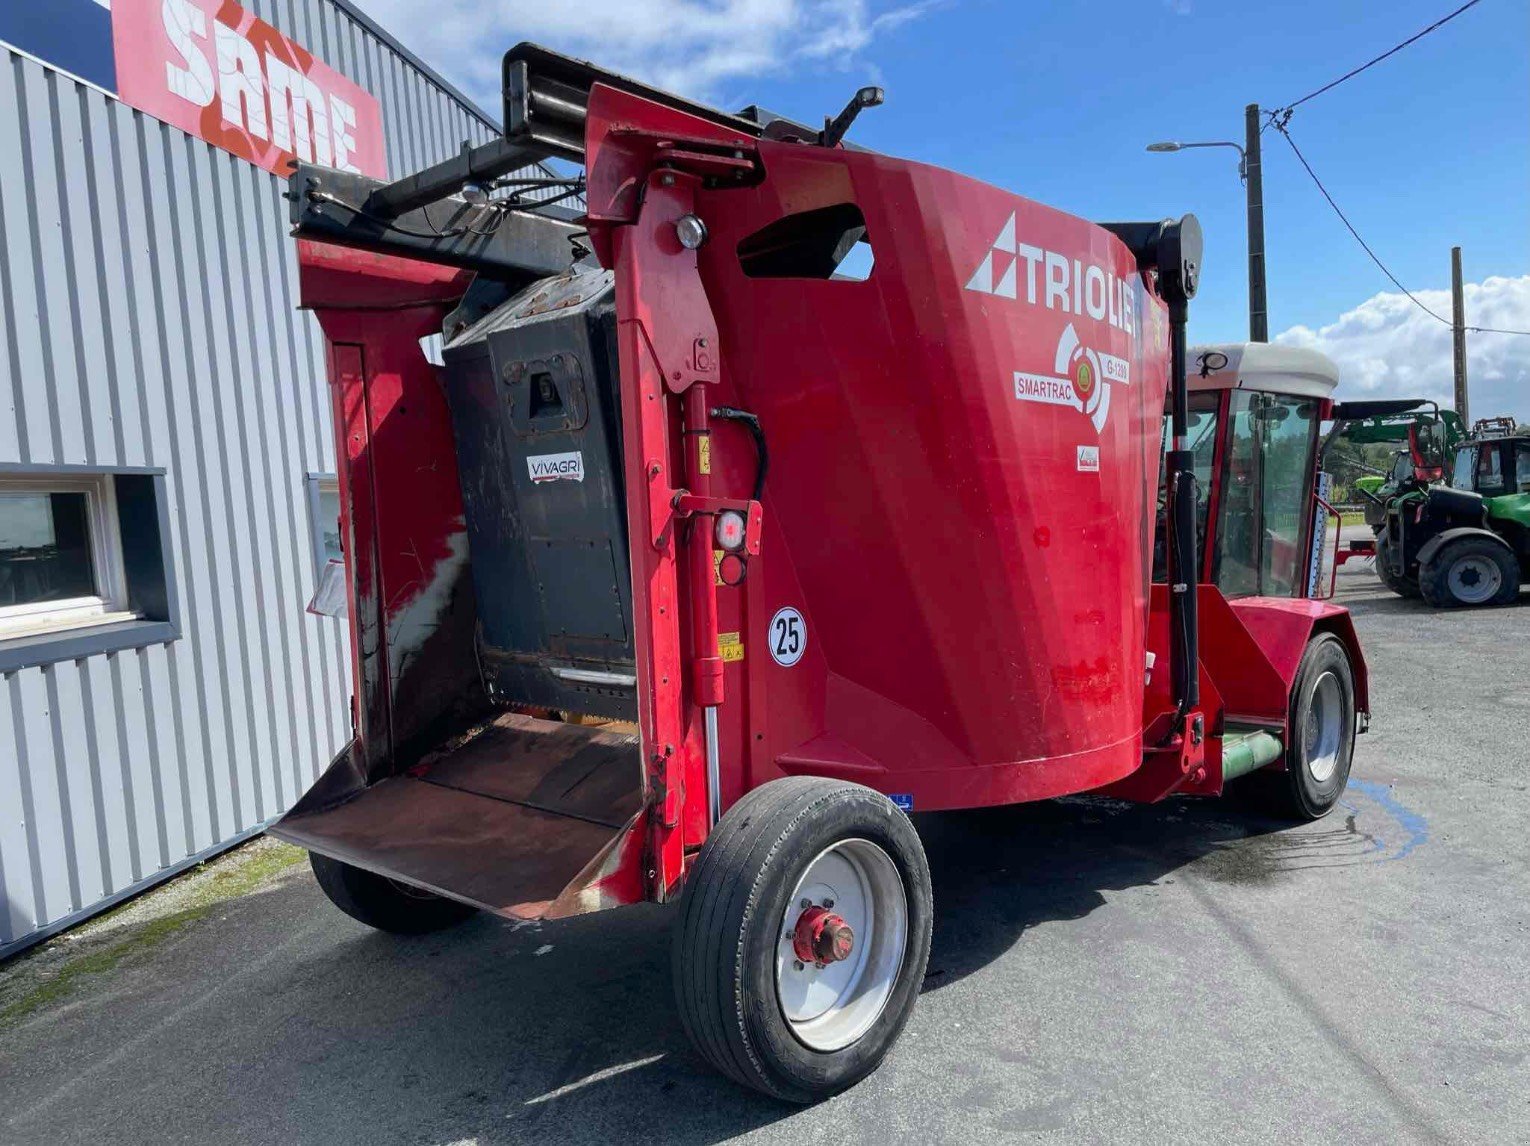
750	422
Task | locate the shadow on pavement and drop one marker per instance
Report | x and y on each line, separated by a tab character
584	1034
287	1022
999	872
1373	600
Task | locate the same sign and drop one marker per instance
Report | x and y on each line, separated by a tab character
214	70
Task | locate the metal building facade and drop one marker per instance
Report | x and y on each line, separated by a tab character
147	307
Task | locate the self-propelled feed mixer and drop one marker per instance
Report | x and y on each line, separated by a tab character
788	490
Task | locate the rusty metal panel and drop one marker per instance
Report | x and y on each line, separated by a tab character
148	297
505	818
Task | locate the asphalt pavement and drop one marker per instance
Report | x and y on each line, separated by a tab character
1102	972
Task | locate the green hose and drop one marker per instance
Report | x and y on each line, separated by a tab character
1249	752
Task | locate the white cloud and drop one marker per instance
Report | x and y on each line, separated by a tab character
690	46
1387	347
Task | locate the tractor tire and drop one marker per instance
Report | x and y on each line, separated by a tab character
1322	734
801	868
383	903
1402	585
1470	572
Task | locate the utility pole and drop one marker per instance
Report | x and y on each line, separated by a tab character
1253	171
1458	332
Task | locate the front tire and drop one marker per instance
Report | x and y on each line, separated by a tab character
793	867
1322	731
384	903
1470	572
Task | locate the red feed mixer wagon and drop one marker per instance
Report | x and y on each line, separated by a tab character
821	546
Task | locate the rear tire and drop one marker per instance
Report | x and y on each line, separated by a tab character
383	903
801	1030
1401	584
1322	733
1471	572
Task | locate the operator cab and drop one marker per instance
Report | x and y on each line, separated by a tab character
1493	467
1255	411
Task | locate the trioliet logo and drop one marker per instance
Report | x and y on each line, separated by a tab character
1055	281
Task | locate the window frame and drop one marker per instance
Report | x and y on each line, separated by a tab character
109	603
1303	541
143	519
317	484
1468	453
1490	451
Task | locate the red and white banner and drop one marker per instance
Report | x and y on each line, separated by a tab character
214	70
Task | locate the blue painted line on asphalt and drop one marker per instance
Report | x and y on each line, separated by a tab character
1410	821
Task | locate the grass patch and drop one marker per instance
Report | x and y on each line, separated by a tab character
59	968
63	982
1355	518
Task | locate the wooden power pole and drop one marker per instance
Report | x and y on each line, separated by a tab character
1458	332
1253	177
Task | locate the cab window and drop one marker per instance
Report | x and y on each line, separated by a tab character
1522	465
1266	495
1490	470
1461	472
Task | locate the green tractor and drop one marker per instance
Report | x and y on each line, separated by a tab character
1464	542
1428	437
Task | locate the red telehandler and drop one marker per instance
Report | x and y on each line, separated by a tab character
842	545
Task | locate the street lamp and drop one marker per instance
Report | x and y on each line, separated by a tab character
1250	170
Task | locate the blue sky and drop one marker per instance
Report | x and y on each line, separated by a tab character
1056	102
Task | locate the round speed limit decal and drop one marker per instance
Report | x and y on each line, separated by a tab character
787	637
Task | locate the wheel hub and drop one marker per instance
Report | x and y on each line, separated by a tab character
1475	580
822	937
840	944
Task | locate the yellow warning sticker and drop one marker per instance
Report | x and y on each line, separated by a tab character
730	647
717	556
704	453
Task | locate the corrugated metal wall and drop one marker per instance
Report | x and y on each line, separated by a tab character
147	294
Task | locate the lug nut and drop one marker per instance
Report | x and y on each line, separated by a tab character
829	903
806	903
797	963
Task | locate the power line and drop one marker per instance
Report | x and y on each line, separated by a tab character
1372	63
1281	125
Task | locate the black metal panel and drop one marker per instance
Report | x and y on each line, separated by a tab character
533	391
1356	411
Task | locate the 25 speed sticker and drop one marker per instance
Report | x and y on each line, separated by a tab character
787	637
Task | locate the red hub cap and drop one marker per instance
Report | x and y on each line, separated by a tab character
822	937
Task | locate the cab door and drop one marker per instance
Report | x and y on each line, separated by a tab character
1264	510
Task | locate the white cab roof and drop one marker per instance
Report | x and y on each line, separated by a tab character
1262	366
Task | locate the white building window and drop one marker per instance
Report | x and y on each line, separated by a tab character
329	597
61	563
324	519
